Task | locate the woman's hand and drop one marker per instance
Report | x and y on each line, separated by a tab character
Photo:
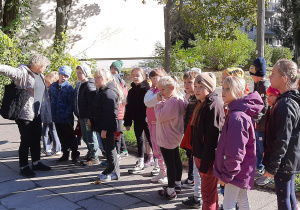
159	97
267	174
127	128
103	134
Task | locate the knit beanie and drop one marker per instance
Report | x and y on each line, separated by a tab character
208	80
86	69
259	67
273	91
118	64
234	71
66	70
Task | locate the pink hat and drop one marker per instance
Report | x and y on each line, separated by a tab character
273	91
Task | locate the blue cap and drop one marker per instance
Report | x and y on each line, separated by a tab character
66	70
259	67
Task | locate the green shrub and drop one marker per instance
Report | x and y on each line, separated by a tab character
279	53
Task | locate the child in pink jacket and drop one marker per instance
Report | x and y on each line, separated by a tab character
150	101
169	114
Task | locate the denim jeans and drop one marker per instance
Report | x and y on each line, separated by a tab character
260	138
49	133
90	138
197	179
100	142
285	191
235	194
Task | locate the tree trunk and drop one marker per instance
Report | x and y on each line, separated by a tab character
62	16
10	12
167	14
260	39
1	14
296	28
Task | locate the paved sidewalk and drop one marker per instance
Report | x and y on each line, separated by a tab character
69	186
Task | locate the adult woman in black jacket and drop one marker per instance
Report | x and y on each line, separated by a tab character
282	160
104	117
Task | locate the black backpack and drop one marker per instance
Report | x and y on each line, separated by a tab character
13	102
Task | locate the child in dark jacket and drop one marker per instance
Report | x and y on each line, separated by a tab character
115	69
135	111
206	124
282	160
235	156
103	119
62	102
85	92
258	72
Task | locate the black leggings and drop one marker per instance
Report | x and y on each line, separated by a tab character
139	127
174	165
120	143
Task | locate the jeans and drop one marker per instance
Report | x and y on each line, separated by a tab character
197	179
232	194
30	132
111	154
174	165
260	138
100	142
90	138
285	191
49	133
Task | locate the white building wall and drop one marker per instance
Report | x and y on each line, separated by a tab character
107	28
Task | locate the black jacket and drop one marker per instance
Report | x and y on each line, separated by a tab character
189	110
261	87
282	151
85	97
105	109
135	109
206	132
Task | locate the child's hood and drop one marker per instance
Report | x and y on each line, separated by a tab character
251	104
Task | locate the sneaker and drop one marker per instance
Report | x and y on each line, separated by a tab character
91	162
187	183
258	173
191	202
164	194
49	153
63	159
163	180
57	153
155	171
177	188
114	176
149	161
40	167
124	153
139	168
27	172
161	175
104	178
263	180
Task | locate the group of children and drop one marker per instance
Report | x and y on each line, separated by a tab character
252	136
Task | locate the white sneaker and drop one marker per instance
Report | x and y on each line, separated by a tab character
163	180
139	167
161	175
113	176
156	169
104	178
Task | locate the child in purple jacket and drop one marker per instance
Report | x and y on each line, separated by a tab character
235	155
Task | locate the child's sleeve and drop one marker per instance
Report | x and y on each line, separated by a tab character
262	90
213	125
165	111
128	115
108	110
150	99
237	137
90	96
70	107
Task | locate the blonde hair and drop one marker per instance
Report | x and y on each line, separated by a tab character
237	85
52	77
288	68
141	70
191	73
108	77
170	81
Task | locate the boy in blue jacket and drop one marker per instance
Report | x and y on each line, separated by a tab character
62	98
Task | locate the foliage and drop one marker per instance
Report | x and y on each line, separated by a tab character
281	52
159	53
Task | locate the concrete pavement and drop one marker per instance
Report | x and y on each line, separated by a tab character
69	186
